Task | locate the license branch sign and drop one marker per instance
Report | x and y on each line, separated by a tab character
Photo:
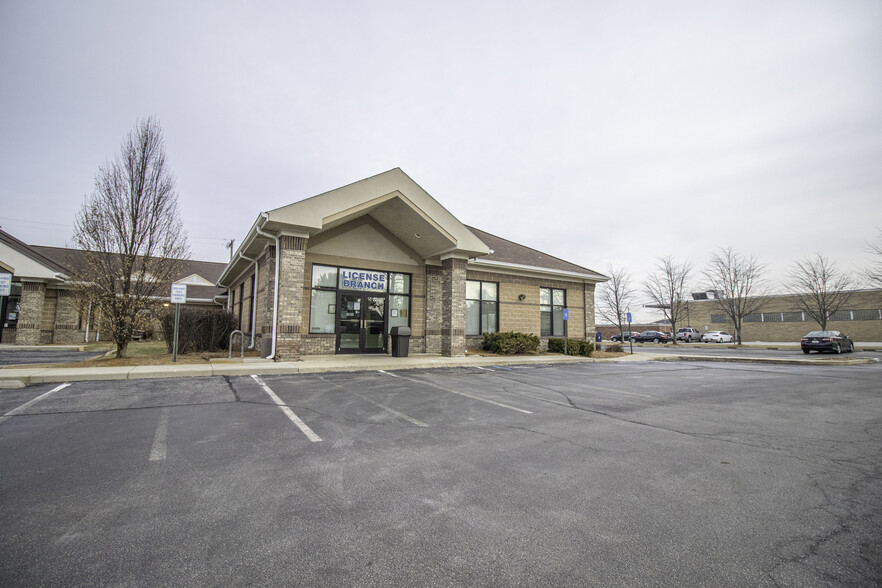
5	284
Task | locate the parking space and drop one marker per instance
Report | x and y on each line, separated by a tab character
606	474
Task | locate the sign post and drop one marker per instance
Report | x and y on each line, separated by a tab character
178	297
631	337
566	317
5	289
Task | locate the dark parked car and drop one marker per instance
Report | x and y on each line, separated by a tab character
654	336
827	341
622	336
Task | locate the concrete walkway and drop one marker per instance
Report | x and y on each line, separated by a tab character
24	376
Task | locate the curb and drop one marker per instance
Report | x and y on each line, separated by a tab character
19	377
771	360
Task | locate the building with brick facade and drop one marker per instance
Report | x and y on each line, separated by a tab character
42	309
335	273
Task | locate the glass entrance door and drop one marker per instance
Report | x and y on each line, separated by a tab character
361	323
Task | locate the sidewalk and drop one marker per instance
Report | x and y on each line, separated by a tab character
25	376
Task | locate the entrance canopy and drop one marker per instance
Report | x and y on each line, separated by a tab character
391	200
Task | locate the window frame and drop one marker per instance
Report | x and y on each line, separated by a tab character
551	309
482	303
389	293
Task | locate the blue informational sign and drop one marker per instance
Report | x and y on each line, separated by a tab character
629	317
566	314
5	284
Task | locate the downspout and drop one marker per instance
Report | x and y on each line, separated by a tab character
253	300
275	282
88	320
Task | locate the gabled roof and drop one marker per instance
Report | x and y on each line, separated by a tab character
401	207
49	266
209	270
510	255
392	199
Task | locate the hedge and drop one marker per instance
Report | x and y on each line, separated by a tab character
511	343
573	347
199	329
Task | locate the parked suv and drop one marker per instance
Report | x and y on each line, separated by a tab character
688	334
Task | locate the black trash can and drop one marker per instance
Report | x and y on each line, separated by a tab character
400	341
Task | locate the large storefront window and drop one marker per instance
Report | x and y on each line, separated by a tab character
552	301
482	304
360	306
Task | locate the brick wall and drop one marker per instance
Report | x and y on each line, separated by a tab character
67	317
523	315
433	309
31	313
453	291
292	266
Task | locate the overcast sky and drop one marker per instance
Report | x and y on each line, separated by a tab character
600	132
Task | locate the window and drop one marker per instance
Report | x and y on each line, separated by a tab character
323	302
399	300
482	307
327	280
241	296
552	301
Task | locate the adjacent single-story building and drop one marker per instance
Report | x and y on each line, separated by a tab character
42	309
335	273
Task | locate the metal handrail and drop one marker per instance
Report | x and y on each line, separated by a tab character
241	347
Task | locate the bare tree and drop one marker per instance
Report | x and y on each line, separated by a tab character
667	289
873	272
131	235
819	288
737	283
615	296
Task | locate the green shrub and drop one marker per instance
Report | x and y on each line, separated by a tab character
614	348
511	343
199	329
573	347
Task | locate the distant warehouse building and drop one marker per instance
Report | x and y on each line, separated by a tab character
335	273
781	319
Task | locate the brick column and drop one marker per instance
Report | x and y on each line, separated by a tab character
31	313
589	312
266	277
67	318
453	320
433	309
292	269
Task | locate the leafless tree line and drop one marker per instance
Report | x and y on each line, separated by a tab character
739	286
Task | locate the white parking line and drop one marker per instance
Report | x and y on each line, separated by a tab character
310	434
619	391
393	411
466	394
30	403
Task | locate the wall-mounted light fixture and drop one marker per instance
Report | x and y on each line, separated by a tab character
522	296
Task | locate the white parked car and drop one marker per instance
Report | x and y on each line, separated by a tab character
717	337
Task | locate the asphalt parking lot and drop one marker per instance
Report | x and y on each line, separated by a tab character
648	473
30	357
